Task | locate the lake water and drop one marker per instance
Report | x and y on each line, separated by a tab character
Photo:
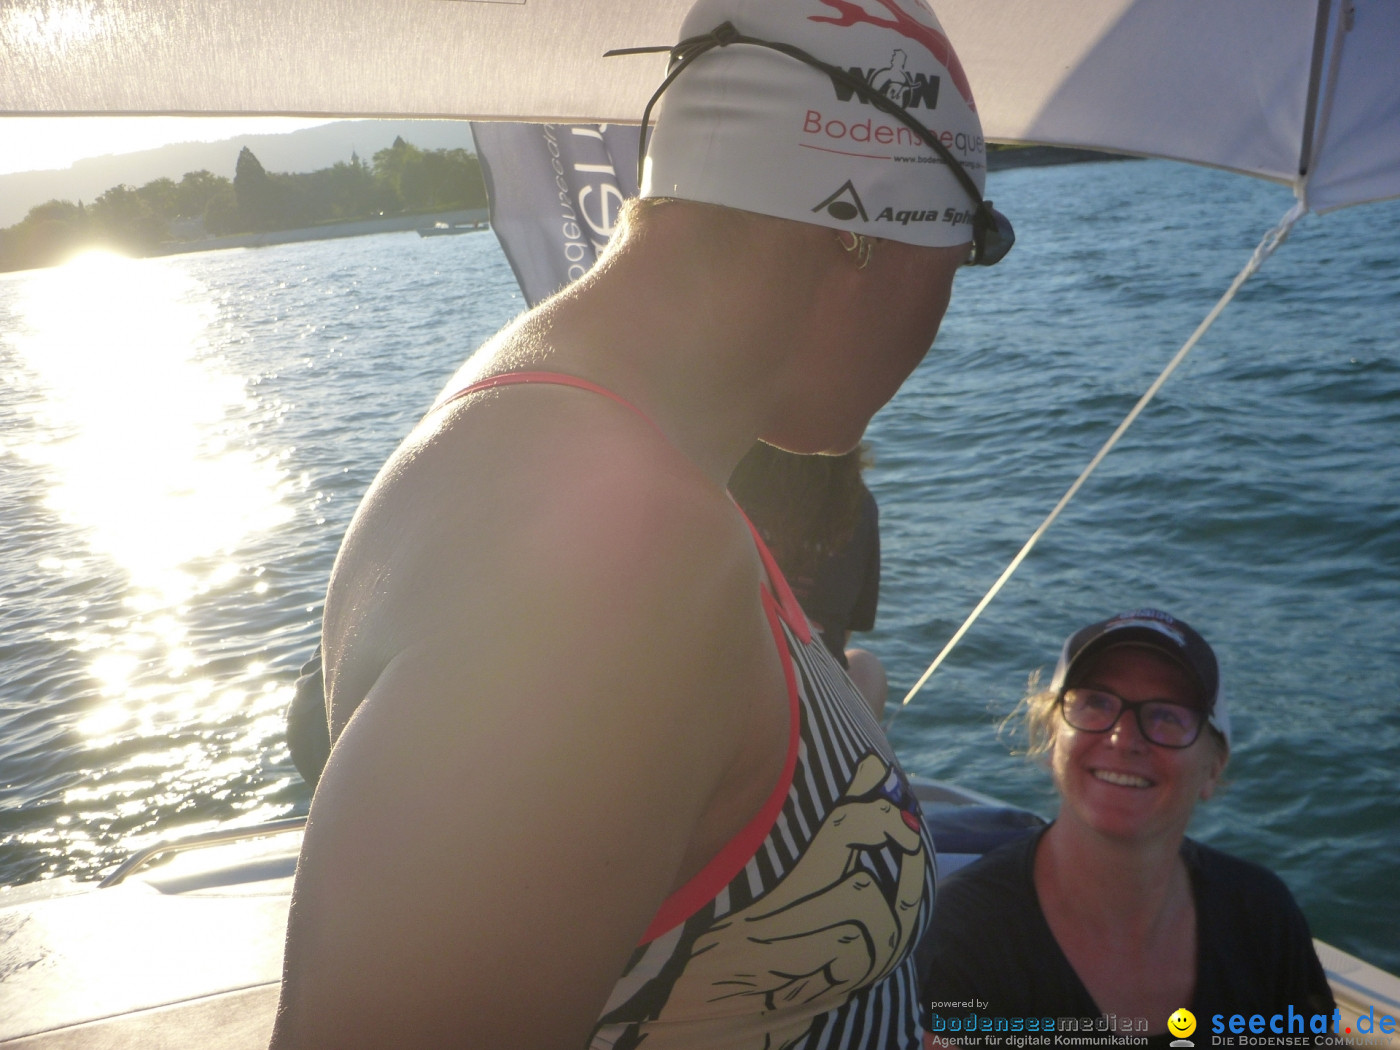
182	442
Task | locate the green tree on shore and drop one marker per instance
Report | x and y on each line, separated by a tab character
161	197
259	199
123	219
419	180
49	233
195	192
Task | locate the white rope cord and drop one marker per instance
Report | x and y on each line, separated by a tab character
1266	247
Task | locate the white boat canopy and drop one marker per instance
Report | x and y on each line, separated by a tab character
1298	91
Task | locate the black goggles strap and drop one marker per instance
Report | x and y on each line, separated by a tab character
688	50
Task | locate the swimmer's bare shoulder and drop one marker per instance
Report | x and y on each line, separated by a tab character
565	698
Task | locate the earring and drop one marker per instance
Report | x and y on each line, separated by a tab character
861	247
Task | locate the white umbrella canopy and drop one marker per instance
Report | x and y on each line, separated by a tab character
1299	91
1358	155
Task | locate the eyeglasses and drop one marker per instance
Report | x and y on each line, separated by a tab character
1161	722
992	235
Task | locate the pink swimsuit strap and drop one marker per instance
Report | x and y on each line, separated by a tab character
780	606
546	378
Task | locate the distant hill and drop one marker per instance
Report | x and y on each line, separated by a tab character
296	151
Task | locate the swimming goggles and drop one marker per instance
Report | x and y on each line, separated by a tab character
992	235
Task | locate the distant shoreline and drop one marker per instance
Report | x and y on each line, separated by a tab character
1008	157
327	232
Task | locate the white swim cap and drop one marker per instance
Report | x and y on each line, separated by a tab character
752	128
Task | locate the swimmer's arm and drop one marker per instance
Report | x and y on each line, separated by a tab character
512	801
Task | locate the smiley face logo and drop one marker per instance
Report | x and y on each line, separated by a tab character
1182	1023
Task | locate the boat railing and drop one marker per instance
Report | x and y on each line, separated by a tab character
217	837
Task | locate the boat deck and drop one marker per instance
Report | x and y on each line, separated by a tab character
182	945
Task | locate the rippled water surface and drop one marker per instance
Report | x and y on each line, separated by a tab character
182	442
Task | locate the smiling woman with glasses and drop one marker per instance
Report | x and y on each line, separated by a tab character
1112	912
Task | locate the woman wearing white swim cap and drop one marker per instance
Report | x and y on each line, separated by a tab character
594	779
764	123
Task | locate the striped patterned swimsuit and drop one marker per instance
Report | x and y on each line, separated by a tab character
800	933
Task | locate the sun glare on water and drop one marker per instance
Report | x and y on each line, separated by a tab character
142	435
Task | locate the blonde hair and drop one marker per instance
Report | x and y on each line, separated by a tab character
1034	717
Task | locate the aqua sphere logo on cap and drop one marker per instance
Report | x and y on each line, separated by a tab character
844	204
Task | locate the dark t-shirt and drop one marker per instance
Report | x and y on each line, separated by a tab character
989	942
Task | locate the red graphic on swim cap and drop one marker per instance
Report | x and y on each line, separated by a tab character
905	25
